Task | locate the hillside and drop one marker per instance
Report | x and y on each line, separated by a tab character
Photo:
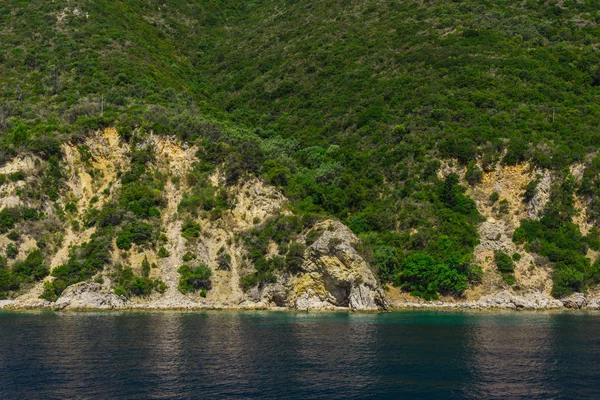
457	141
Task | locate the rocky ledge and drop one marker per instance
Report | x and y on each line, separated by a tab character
92	296
509	301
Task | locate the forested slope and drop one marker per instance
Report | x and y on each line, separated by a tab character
349	107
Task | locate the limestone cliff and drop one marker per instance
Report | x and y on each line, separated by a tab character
332	275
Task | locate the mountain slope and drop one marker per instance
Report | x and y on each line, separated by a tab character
350	108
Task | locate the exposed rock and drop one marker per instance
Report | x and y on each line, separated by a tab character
336	274
88	295
542	195
593	304
506	299
576	300
5	303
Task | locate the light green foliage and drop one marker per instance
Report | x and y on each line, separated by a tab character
422	276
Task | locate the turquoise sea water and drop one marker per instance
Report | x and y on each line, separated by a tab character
276	355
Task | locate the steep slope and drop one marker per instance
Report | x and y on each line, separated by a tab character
348	115
91	170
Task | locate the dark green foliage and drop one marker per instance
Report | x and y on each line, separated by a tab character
354	131
163	253
223	259
283	230
474	174
145	267
17	176
189	257
556	237
141	199
530	190
8	281
130	285
9	217
505	266
11	251
135	233
190	229
32	267
494	197
13	235
294	257
193	279
83	263
312	236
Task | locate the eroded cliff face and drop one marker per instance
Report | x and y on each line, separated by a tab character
332	274
502	216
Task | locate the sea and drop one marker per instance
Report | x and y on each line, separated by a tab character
299	355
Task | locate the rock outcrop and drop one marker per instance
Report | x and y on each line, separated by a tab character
88	295
332	274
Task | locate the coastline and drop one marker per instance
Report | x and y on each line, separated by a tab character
576	302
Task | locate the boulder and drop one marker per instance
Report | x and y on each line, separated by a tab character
576	300
88	295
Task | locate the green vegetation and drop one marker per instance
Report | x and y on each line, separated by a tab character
223	259
192	279
84	262
163	253
556	237
355	130
31	269
135	232
422	276
190	229
9	217
130	285
202	195
505	266
282	230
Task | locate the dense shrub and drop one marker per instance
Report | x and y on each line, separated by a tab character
32	267
134	233
190	229
84	262
192	279
130	285
356	131
422	276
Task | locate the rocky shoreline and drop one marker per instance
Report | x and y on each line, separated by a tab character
501	301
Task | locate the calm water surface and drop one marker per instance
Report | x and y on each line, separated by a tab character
297	355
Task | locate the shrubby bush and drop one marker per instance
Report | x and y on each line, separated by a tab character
192	279
84	262
190	229
135	233
422	276
130	285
